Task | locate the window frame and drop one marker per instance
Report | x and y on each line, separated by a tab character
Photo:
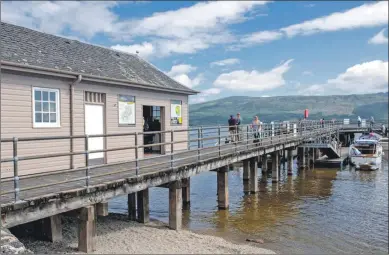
56	124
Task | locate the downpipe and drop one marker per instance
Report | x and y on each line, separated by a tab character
71	113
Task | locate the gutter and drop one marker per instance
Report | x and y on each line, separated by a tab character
79	78
88	77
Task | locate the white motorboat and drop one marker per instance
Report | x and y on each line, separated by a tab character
366	152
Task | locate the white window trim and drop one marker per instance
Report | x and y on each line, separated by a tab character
58	106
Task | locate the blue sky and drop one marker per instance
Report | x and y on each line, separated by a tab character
234	48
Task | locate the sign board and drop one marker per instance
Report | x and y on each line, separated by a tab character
346	121
176	112
126	106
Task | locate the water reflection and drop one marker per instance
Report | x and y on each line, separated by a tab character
313	211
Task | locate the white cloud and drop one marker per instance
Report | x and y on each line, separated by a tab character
204	95
145	50
183	31
368	77
225	62
254	80
261	37
180	74
307	73
366	15
85	18
379	38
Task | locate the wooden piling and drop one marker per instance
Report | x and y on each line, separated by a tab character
143	206
102	209
131	202
186	192
175	205
222	188
50	228
246	171
253	175
275	172
290	162
87	230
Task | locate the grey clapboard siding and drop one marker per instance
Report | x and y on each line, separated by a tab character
16	120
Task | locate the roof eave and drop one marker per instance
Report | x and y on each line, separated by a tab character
7	65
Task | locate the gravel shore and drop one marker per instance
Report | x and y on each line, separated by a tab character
116	235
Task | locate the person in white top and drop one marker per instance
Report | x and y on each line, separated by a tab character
359	121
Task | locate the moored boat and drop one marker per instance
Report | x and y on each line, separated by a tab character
366	152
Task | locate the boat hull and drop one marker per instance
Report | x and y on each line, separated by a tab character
366	163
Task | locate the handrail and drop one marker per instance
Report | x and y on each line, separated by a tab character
239	137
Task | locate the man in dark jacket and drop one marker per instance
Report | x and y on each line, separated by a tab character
232	127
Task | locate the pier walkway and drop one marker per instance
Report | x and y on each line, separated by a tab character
86	190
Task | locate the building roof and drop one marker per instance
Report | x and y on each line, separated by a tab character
26	46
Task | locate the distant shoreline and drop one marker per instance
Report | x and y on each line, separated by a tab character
117	235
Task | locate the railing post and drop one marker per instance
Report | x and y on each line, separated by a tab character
136	154
247	136
171	148
220	140
16	168
236	138
198	143
87	177
201	133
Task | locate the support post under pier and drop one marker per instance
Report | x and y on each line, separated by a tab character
290	162
275	172
186	193
175	205
222	187
253	175
87	230
301	157
131	202
246	176
143	206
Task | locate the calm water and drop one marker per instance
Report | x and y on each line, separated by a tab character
315	211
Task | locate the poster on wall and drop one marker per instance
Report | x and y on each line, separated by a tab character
126	110
176	112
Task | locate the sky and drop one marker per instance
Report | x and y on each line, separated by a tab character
233	48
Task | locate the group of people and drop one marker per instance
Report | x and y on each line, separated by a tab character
371	122
235	130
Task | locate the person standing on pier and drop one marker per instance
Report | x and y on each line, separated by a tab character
359	121
371	122
232	127
239	129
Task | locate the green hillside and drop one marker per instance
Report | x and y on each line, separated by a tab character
290	108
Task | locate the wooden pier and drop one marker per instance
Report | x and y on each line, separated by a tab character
85	192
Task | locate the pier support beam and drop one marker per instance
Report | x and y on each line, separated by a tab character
186	193
175	205
264	164
102	209
87	230
222	188
131	202
301	157
143	206
275	172
290	162
49	228
253	175
246	176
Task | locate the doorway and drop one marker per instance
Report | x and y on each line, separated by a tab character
95	125
153	122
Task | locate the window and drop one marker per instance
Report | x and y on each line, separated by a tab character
46	107
156	113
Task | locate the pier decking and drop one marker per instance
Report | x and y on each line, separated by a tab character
34	197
